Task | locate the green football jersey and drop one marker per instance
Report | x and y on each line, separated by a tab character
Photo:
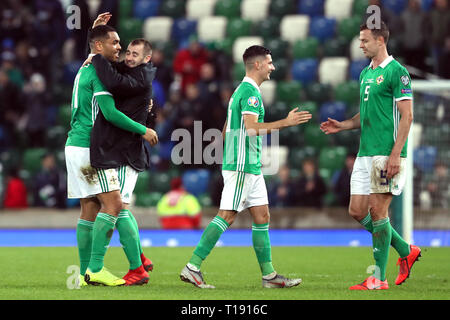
243	152
84	106
380	90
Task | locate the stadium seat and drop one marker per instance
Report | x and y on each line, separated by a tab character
322	28
243	43
196	182
280	8
32	159
431	135
228	8
333	70
356	67
355	51
205	200
167	47
427	5
196	9
211	28
338	9
396	6
182	29
125	9
130	29
158	28
289	92
278	47
360	7
306	48
332	158
238	27
348	28
281	69
347	92
146	8
160	182
255	10
305	70
148	200
314	137
294	27
336	47
312	8
348	139
238	71
143	183
425	158
298	155
310	106
268	92
64	115
334	110
173	8
10	158
292	136
267	28
318	92
225	45
277	111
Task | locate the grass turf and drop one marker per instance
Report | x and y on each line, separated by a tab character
41	273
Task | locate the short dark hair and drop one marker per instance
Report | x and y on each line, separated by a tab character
383	31
99	33
147	46
255	51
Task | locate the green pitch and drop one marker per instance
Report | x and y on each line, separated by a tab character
41	273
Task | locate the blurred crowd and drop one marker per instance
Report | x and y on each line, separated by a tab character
37	49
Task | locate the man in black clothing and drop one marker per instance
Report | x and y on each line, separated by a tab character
130	83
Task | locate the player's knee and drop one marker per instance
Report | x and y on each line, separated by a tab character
113	207
356	213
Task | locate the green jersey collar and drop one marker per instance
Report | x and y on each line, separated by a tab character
384	63
252	82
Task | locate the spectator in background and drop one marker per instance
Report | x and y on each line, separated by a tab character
440	22
11	106
49	185
178	209
15	191
342	181
188	62
164	74
310	187
438	186
37	102
281	193
414	31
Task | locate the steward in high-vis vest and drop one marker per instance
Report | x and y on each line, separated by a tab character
179	209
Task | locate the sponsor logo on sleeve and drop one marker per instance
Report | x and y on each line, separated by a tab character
253	102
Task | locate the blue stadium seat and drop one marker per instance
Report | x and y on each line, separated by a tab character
182	29
425	158
356	67
305	70
159	97
427	5
196	181
312	8
335	110
143	9
322	28
397	6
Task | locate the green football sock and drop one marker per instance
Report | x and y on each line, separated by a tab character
84	242
137	230
208	240
261	245
381	239
397	242
129	239
101	236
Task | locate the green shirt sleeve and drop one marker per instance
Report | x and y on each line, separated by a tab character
250	103
401	84
117	118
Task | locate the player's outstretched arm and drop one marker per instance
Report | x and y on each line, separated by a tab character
333	126
255	128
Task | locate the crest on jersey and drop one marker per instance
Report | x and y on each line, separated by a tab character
405	80
380	79
253	102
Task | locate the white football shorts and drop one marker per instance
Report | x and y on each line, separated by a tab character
369	176
242	190
84	181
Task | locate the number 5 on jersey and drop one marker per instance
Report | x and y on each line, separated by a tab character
366	92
